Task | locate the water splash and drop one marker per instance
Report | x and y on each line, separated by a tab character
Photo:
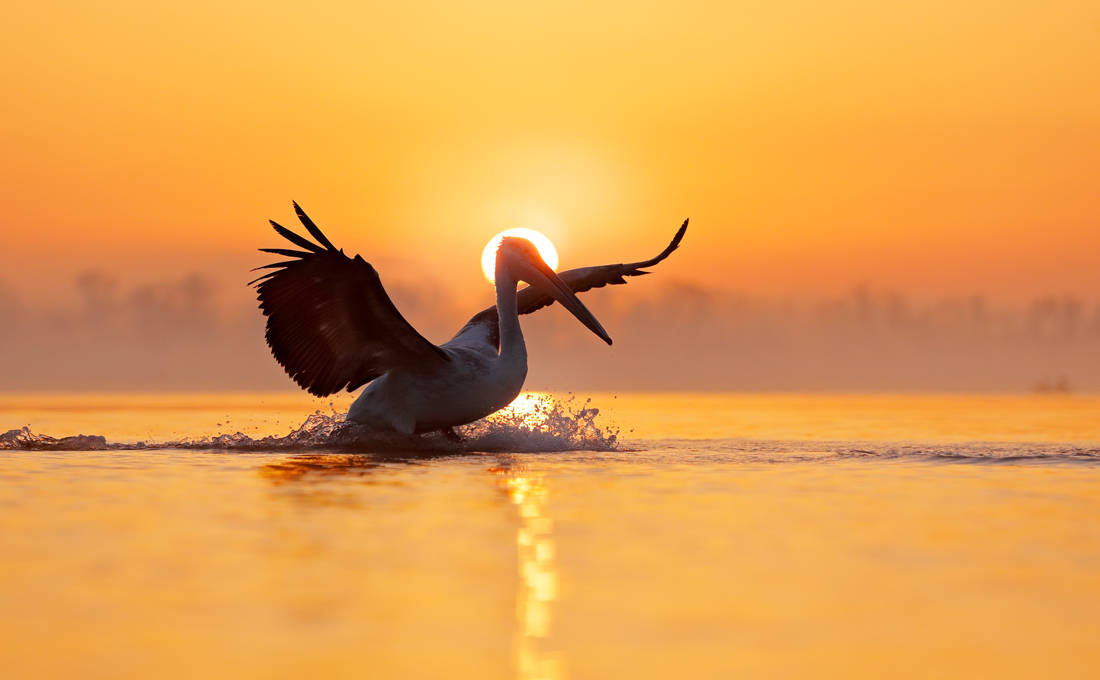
539	422
23	438
533	423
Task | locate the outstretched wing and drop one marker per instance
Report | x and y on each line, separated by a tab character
330	323
486	323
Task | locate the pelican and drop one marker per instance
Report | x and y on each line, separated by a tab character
331	326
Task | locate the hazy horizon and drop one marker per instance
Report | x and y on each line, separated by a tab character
195	333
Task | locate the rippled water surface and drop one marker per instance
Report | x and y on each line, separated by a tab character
712	536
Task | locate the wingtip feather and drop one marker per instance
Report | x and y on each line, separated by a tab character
311	226
297	240
679	236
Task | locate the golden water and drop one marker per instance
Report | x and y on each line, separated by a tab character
742	535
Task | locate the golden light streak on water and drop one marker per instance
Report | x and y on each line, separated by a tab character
538	580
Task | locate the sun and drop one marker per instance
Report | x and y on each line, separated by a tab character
542	244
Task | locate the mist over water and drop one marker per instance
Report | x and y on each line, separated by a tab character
196	332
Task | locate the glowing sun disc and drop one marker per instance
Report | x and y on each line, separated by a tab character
541	243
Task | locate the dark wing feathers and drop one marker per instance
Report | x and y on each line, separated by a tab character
587	278
285	251
311	227
294	238
330	323
580	280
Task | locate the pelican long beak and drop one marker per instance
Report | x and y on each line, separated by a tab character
548	280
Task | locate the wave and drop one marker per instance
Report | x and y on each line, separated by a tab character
982	453
754	451
533	423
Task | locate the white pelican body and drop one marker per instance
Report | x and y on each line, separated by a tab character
476	382
332	326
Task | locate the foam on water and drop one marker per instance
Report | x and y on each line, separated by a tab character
534	423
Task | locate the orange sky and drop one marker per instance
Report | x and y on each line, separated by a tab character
942	148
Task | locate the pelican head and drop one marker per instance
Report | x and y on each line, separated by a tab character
521	259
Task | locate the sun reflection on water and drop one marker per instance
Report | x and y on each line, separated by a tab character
530	409
538	577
